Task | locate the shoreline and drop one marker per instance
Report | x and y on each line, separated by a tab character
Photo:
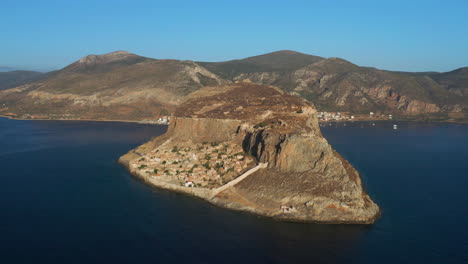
320	122
311	209
206	197
396	120
85	120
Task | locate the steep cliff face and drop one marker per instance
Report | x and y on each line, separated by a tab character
299	177
306	173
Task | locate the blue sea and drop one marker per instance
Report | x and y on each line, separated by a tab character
64	199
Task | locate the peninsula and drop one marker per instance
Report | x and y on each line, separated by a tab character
254	148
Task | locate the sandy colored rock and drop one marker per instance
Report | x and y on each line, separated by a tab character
298	176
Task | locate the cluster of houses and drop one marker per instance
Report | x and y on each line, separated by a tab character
337	116
207	165
160	121
326	116
373	115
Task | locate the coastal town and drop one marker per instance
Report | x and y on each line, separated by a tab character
163	120
346	116
207	165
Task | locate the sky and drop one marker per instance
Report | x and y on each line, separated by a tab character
400	35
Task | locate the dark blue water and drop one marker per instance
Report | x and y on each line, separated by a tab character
64	199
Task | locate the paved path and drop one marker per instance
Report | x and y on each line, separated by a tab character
239	179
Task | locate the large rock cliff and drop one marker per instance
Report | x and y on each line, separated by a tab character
301	178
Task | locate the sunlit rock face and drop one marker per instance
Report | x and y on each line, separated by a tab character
301	178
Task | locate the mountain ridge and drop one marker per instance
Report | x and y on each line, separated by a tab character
147	87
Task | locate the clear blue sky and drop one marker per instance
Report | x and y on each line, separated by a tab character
411	35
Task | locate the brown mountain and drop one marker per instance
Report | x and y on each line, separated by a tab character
121	85
279	61
337	85
118	85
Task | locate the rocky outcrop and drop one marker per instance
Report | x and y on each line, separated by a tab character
301	178
307	174
418	107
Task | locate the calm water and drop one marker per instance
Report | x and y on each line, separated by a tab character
64	199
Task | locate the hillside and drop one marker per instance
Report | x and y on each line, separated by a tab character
455	81
122	85
278	61
118	85
12	79
335	84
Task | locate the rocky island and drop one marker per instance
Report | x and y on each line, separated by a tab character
254	148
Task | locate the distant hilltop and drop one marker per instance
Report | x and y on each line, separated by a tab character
122	85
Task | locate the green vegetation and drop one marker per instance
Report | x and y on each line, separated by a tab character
164	112
207	165
142	166
261	124
219	165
